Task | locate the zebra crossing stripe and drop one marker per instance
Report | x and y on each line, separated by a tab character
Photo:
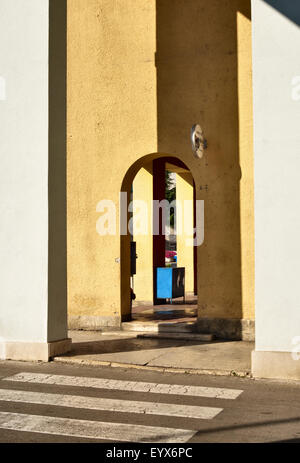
135	386
114	405
93	429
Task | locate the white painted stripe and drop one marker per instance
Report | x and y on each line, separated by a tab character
93	429
135	386
115	405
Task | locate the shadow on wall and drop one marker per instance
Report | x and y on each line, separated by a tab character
57	274
197	83
289	8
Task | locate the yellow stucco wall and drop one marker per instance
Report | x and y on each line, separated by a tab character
143	190
185	254
246	163
140	74
111	122
143	280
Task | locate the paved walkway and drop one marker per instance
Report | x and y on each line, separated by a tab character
175	311
133	350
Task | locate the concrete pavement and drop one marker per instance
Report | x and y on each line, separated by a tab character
169	352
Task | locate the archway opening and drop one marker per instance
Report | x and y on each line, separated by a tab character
158	257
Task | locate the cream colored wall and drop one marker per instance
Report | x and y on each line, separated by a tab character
140	74
185	254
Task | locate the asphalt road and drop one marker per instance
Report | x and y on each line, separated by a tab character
69	403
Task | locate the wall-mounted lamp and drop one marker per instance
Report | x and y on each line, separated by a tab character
199	143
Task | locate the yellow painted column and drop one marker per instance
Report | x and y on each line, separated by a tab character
111	123
246	162
142	234
184	227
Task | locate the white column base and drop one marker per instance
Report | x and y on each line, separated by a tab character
34	351
275	365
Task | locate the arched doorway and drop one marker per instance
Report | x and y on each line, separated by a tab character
143	231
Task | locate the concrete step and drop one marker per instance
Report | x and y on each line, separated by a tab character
179	336
160	327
